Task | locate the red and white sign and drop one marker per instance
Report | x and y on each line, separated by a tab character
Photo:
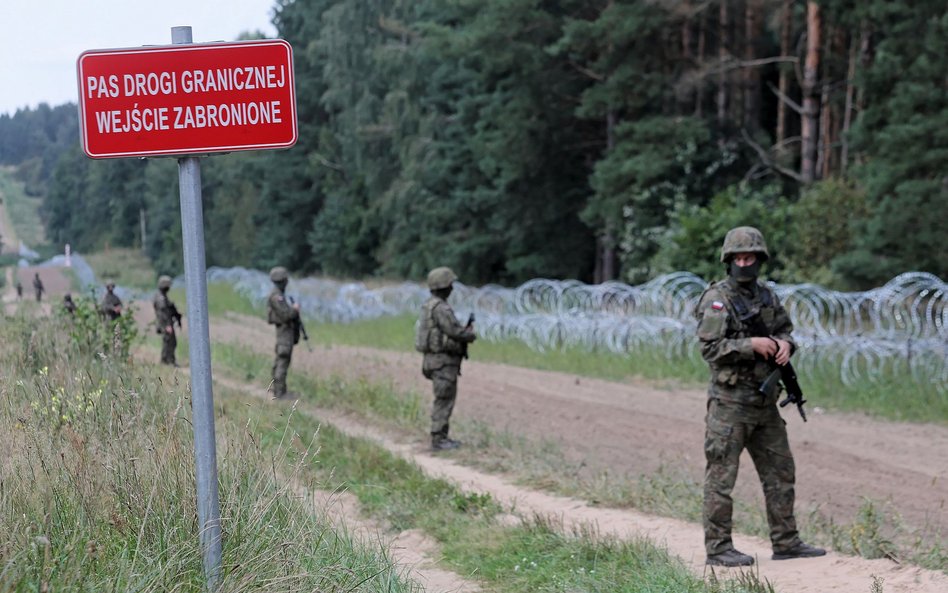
187	99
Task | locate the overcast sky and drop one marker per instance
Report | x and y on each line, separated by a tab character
40	40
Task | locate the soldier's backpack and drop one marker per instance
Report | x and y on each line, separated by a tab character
421	331
423	328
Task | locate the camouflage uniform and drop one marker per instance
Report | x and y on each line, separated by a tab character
109	303
286	319
739	416
38	287
107	308
164	321
69	306
443	340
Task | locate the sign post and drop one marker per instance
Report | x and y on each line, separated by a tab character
202	397
185	100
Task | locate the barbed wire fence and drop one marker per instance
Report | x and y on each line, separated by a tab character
898	326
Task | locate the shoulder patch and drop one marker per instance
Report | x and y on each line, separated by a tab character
717	305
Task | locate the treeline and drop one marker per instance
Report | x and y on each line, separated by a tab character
582	139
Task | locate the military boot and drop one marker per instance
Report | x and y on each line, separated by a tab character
801	550
442	443
730	558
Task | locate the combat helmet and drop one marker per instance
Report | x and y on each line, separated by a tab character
278	274
439	278
744	239
164	282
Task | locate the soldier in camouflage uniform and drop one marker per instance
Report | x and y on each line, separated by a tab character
38	287
444	343
166	313
111	306
739	415
286	318
69	306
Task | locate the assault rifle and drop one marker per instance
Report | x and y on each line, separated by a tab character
785	374
788	377
175	315
300	326
470	322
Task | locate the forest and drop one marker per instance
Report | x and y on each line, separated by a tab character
590	139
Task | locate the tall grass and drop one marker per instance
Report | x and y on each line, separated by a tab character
98	486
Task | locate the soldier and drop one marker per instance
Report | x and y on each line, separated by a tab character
444	342
111	306
166	314
38	287
69	306
740	416
286	318
19	290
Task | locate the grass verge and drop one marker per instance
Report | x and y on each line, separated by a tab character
98	486
537	555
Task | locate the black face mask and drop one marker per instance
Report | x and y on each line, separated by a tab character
746	274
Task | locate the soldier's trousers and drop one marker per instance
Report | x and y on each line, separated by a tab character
281	365
730	428
445	385
168	344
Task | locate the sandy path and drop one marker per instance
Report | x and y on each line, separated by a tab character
633	428
55	283
413	551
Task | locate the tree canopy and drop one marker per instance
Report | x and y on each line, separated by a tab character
595	140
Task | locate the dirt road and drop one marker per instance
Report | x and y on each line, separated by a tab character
634	428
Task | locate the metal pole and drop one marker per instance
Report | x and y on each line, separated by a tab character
202	398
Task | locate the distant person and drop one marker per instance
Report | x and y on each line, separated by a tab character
69	306
286	318
743	331
443	341
19	290
166	314
38	287
111	306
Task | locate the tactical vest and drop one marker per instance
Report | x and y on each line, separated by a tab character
741	380
429	339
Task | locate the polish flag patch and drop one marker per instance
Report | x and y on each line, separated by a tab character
717	305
